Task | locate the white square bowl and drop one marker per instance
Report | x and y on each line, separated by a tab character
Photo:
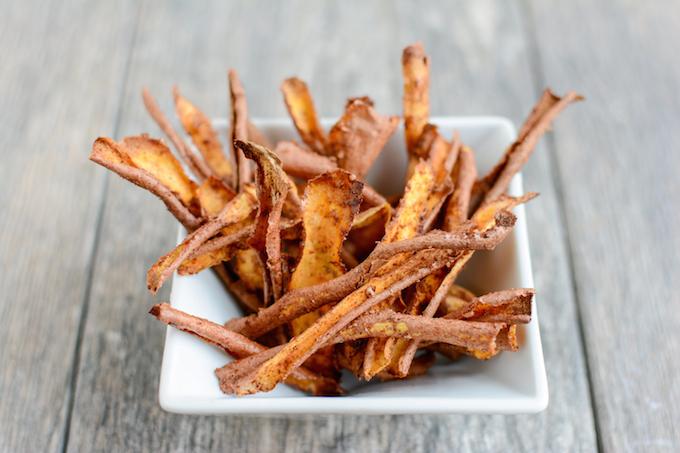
510	383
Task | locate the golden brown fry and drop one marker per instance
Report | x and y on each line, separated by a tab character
459	203
239	126
153	156
237	210
510	306
206	260
299	348
330	204
199	128
272	187
496	182
484	220
359	136
111	155
416	72
195	163
239	346
301	301
407	223
301	108
479	337
302	163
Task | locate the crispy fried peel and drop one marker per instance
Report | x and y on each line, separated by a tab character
359	135
239	126
302	163
199	128
466	335
153	156
237	210
330	204
416	72
484	220
300	105
304	300
239	346
510	306
196	164
272	188
407	223
107	153
299	348
458	205
496	182
206	260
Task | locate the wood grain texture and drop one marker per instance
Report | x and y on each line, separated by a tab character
53	75
480	65
618	163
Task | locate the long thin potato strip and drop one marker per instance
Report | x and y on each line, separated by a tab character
204	136
272	187
416	72
496	182
359	135
239	126
331	201
195	163
484	220
301	108
301	301
458	206
299	348
407	223
510	306
153	156
206	260
237	210
239	346
107	153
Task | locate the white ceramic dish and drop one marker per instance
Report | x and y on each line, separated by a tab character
509	383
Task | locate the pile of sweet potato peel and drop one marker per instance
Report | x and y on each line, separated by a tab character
331	274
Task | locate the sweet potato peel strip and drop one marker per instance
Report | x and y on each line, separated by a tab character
238	209
196	164
199	128
330	204
111	155
239	346
300	105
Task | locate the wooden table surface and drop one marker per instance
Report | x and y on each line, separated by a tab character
79	356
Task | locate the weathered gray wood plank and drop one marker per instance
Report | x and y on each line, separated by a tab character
618	161
53	74
480	65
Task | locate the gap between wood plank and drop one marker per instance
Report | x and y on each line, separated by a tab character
87	295
539	81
